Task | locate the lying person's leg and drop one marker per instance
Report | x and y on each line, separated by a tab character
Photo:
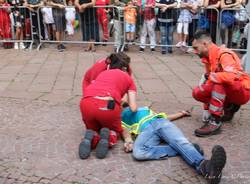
211	169
147	146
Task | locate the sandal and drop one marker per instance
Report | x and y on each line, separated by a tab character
87	49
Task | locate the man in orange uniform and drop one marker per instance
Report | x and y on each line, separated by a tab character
226	86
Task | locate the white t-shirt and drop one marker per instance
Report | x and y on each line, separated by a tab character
47	15
70	13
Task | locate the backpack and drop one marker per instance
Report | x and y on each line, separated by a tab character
203	22
227	18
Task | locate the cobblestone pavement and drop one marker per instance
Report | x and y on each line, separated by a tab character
41	128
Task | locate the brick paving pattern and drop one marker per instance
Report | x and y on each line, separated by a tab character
41	127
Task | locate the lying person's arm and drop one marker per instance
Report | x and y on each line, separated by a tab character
128	141
179	115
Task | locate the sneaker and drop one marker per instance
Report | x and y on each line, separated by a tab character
63	47
198	148
179	44
103	145
141	49
184	44
152	49
210	128
170	51
59	48
190	50
126	47
229	112
212	169
163	52
16	46
85	145
21	46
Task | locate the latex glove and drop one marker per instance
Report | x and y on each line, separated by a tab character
203	79
205	116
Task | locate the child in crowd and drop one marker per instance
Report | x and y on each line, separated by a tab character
19	22
70	18
48	20
103	18
130	21
184	19
5	24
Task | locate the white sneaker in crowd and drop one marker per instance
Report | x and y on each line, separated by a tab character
21	46
190	50
16	46
179	44
184	44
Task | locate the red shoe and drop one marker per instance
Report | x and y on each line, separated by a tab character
212	127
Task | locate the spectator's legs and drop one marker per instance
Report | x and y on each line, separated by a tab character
179	33
191	30
143	34
212	30
163	30
223	29
185	33
170	30
151	31
118	32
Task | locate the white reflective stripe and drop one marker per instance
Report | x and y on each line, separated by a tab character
215	108
218	95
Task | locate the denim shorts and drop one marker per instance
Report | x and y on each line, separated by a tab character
130	28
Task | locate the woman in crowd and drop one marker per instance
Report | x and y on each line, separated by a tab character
89	22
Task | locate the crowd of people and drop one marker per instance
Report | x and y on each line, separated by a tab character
136	19
109	110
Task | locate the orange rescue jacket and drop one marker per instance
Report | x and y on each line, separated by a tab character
224	67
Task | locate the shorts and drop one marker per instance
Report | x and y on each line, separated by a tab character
130	28
59	18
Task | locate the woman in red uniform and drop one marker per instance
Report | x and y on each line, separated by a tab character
101	66
100	106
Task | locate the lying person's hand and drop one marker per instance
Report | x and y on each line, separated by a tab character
187	112
128	146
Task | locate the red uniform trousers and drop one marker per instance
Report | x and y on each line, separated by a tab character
5	26
103	21
95	116
218	96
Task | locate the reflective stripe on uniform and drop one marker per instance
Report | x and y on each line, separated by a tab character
217	95
215	108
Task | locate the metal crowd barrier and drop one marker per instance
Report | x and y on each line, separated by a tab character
210	19
114	30
232	23
87	25
16	22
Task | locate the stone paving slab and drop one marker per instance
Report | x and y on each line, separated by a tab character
41	127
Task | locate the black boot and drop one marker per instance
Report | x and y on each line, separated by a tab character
229	112
85	145
212	169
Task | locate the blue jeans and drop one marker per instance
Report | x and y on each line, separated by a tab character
148	145
167	36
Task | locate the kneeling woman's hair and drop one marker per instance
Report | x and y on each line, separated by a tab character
120	61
